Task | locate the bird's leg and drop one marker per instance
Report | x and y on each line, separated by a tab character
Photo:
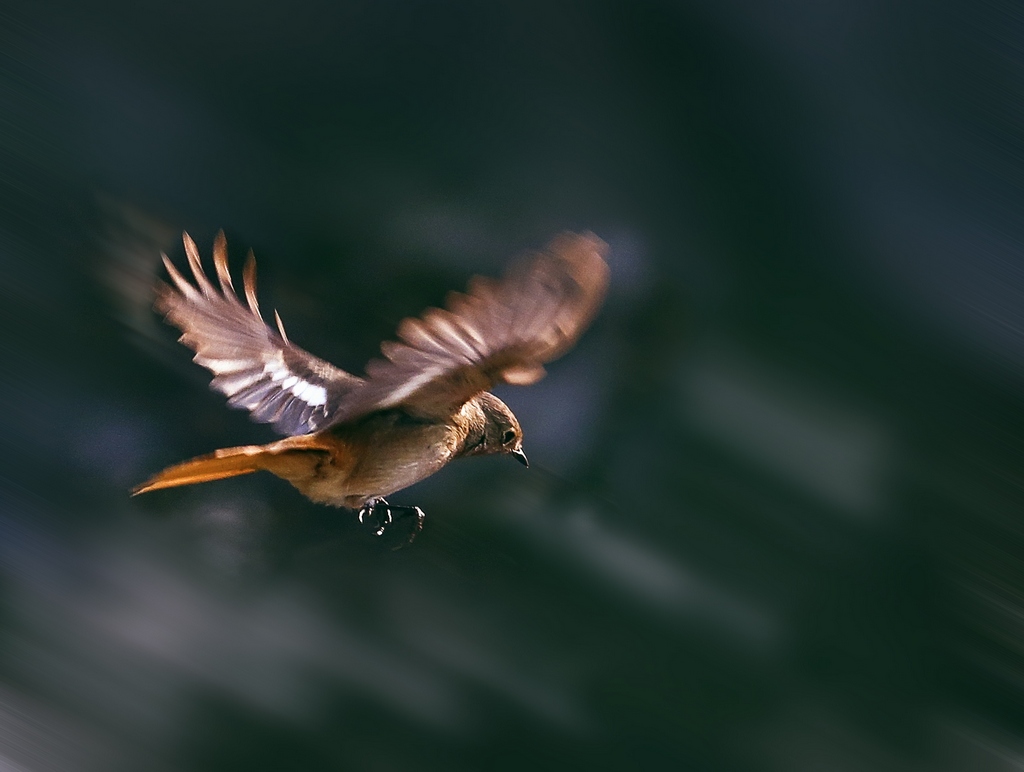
389	515
370	508
420	517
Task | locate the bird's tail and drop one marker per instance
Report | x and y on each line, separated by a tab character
289	458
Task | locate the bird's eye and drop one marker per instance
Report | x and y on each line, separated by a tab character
507	437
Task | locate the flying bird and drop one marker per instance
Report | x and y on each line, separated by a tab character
355	440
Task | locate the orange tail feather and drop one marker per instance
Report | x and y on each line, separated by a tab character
295	459
227	462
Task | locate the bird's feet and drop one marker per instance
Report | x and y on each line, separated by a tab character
378	514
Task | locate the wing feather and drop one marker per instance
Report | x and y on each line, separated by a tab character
254	366
499	331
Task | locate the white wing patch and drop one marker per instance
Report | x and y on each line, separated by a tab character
254	366
310	393
314	396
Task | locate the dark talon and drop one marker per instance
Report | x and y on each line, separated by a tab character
370	508
373	507
420	517
387	520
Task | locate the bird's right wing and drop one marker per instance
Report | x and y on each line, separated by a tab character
257	368
499	331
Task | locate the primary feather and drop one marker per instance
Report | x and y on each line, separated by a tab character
499	331
257	368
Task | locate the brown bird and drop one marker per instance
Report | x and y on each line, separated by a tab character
425	403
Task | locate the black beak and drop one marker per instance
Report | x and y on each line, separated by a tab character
521	457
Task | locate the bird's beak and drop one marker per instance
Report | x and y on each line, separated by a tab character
521	457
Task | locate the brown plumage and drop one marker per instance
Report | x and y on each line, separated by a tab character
425	403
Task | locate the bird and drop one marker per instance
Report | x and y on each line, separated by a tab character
352	441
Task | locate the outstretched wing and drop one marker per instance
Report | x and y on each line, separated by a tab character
255	367
500	331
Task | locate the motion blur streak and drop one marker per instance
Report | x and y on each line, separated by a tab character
836	456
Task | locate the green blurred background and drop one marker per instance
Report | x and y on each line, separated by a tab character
773	520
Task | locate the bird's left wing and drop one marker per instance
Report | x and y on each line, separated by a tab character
257	368
499	331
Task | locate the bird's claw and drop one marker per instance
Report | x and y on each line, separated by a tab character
420	517
370	509
387	516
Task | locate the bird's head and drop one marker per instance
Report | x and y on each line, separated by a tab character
502	433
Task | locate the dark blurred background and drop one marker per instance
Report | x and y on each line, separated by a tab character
774	516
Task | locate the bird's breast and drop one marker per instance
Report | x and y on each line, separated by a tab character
385	455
